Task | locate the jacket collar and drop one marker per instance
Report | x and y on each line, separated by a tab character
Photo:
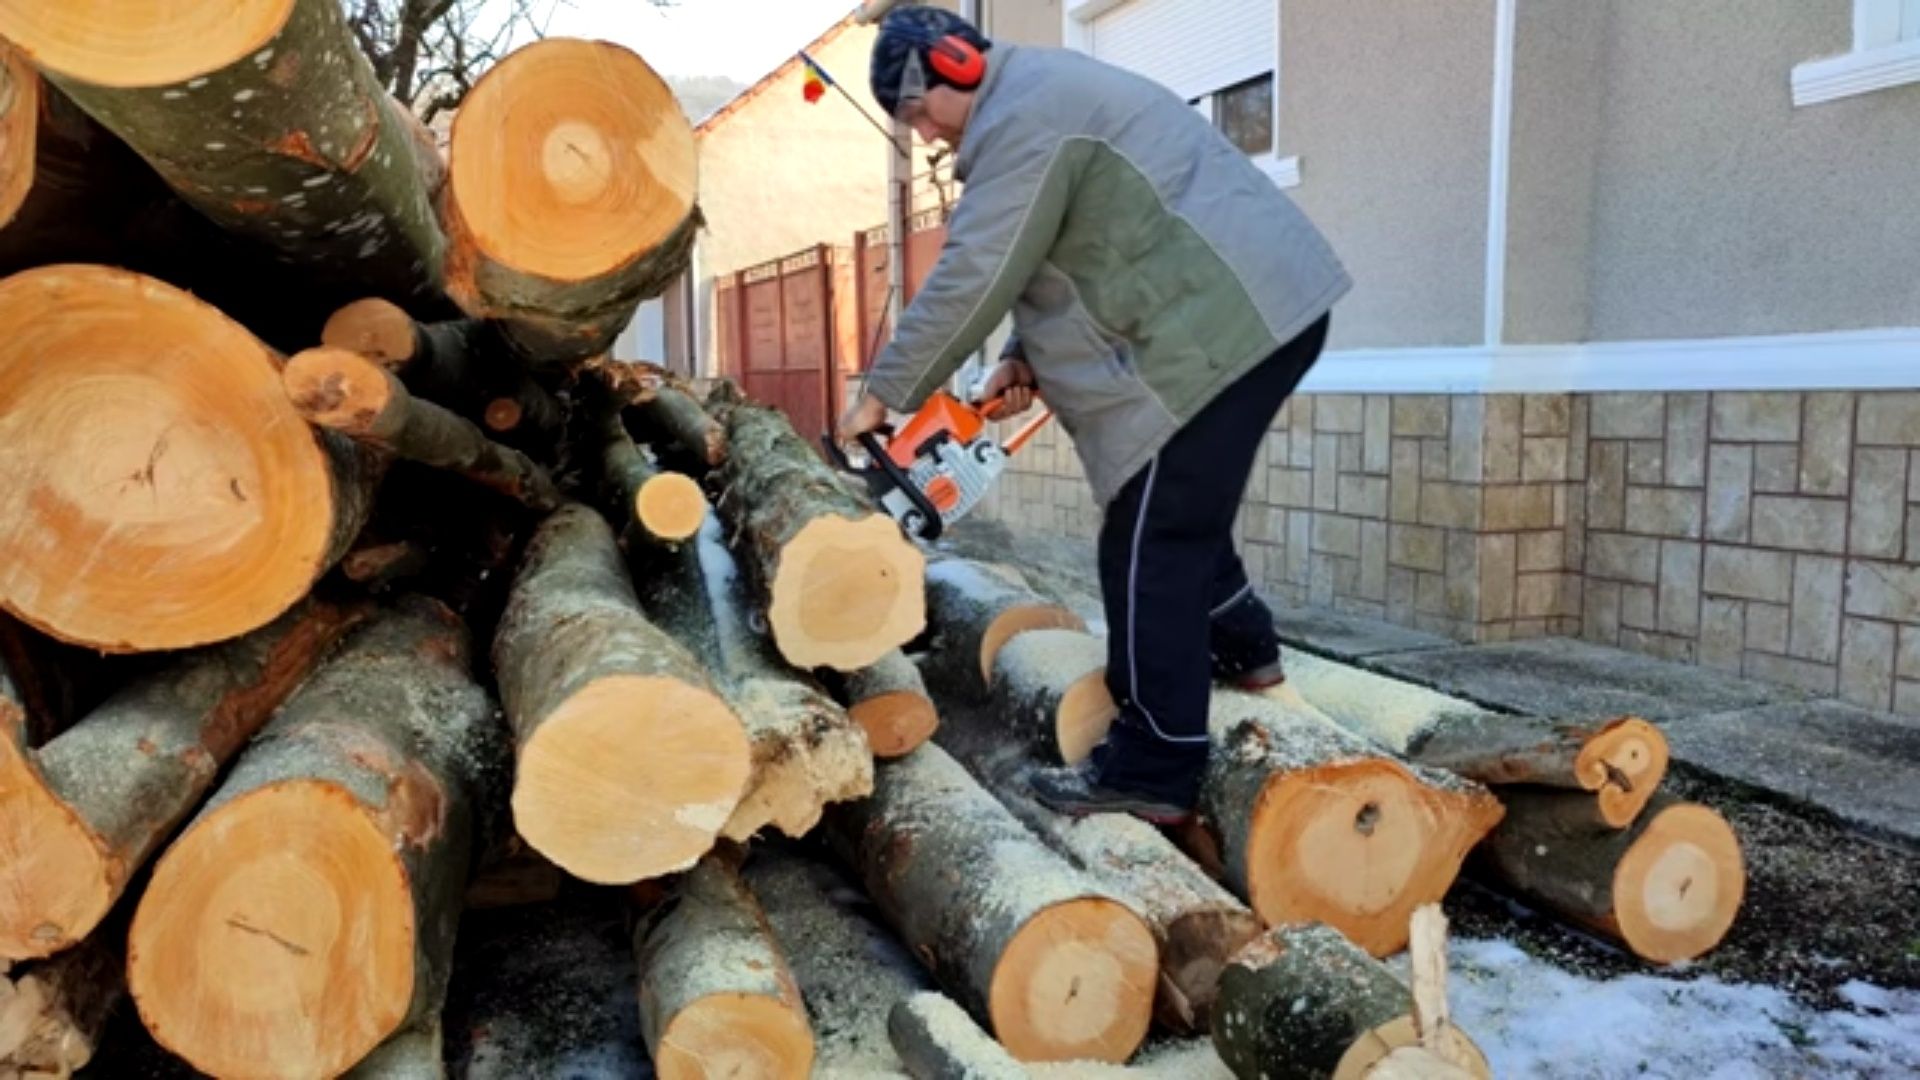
963	156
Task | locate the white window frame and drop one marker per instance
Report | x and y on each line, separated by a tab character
1886	53
1078	17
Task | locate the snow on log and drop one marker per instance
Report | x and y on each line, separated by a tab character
1668	886
936	1040
1304	1003
716	995
1313	824
1059	969
83	813
841	585
264	116
161	492
630	762
1050	692
974	609
571	196
308	912
347	393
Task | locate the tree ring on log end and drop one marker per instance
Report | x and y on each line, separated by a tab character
896	723
1678	888
161	491
376	329
340	389
573	159
19	129
846	593
277	936
670	506
1372	1048
130	43
746	1035
1625	763
632	777
1018	620
1076	983
1086	712
55	876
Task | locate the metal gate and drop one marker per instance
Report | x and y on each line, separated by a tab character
872	253
784	334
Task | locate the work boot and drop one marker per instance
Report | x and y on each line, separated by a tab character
1261	679
1077	792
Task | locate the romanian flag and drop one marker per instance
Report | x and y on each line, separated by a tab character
815	87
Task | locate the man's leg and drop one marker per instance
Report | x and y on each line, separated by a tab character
1160	561
1245	647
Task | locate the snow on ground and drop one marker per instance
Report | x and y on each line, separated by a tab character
1535	1020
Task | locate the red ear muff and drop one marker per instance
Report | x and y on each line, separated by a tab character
958	62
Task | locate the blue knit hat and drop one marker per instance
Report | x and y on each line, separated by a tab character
907	34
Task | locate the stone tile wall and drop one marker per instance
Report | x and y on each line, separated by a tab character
1772	534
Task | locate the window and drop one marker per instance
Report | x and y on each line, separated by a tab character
1886	52
1244	113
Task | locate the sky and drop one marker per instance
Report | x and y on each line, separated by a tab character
741	39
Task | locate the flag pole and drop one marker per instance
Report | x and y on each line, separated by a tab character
855	102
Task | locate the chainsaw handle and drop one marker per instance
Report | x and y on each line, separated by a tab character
883	471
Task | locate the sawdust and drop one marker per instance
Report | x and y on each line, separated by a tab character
1172	1059
1049	658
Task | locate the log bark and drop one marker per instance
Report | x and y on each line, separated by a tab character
308	913
167	494
937	1040
462	363
1304	1002
677	426
1668	886
380	566
513	874
416	1052
630	761
841	585
890	703
571	196
84	813
974	609
1050	692
52	1013
850	969
807	752
653	506
265	117
1313	824
346	393
716	995
1058	968
1621	761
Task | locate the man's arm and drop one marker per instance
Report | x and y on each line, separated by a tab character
1000	235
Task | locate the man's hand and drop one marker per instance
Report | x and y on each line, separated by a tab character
867	414
1012	382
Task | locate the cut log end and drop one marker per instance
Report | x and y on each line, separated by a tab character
670	506
1086	712
1678	888
1369	1055
239	969
572	159
165	494
667	759
19	129
1400	844
503	414
341	390
57	881
1076	983
376	329
896	723
1625	763
1019	619
737	1035
846	592
130	45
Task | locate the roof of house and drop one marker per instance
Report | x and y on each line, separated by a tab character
773	78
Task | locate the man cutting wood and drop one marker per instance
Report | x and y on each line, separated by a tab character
1167	298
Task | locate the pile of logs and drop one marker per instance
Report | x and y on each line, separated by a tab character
340	571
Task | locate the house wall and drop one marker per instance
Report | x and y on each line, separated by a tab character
1023	22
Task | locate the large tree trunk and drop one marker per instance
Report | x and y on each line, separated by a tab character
840	584
347	393
679	428
53	1013
162	492
849	968
85	812
936	1040
1049	693
1059	969
1314	825
974	609
571	197
1668	886
807	752
630	762
309	912
264	116
716	996
1621	761
463	364
653	506
1304	1003
890	703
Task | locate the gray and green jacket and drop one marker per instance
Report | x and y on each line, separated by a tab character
1148	263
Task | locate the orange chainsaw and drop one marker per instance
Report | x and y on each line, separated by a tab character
936	466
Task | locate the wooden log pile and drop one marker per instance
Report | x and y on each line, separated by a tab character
345	584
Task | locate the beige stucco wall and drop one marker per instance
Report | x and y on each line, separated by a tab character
1723	210
1387	104
1024	22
